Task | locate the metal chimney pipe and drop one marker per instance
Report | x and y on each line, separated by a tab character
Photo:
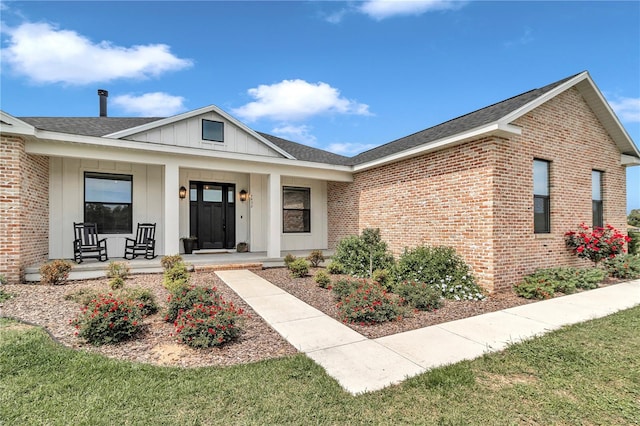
103	102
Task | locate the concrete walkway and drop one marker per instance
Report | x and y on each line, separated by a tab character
362	365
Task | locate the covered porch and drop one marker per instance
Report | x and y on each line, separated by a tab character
208	260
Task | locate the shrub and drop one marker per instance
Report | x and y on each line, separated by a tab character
623	266
634	242
369	303
322	279
55	272
118	270
361	255
3	280
382	277
4	296
299	268
168	262
143	298
421	296
205	326
440	267
342	288
335	268
185	298
108	319
288	259
116	283
82	296
544	283
315	257
597	245
176	277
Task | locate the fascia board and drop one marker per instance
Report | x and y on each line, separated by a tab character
493	129
123	144
11	125
211	108
629	160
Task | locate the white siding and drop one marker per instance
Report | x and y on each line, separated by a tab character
66	198
188	133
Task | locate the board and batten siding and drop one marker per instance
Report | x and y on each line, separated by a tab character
66	200
188	133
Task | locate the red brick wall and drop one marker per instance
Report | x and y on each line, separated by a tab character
478	197
24	208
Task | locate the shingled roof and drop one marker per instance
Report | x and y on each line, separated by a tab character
101	126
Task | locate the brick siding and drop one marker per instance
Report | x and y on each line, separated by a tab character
478	197
24	208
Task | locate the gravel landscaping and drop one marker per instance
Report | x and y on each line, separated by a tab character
46	306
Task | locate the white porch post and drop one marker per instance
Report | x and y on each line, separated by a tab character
275	216
171	209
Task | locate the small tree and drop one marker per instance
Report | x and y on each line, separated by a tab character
634	218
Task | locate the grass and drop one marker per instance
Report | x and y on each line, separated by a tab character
584	374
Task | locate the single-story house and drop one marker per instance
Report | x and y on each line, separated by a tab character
501	184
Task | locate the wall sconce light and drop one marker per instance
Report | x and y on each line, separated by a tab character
243	195
182	192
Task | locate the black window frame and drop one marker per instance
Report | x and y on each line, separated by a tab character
305	212
542	224
597	210
221	140
113	228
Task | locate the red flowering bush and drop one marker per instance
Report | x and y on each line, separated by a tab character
598	244
108	319
204	326
182	299
369	303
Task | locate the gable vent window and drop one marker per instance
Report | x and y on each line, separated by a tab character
212	131
596	198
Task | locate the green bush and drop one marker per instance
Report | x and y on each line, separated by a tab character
335	268
369	303
544	283
623	266
342	288
183	299
315	257
116	283
176	277
421	296
298	268
168	262
55	272
361	255
322	279
4	296
3	280
634	244
288	259
108	319
382	277
118	270
440	267
143	298
205	326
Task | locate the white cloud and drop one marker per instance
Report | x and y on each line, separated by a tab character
627	109
296	100
156	104
382	9
46	54
301	134
349	149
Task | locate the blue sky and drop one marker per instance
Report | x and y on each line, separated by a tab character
342	76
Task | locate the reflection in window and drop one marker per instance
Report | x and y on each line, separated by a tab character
212	131
596	198
108	202
212	193
296	209
541	200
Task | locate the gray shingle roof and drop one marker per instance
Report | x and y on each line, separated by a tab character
87	126
101	126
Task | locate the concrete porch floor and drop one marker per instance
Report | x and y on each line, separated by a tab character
207	260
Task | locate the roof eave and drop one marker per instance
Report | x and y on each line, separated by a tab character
12	125
498	129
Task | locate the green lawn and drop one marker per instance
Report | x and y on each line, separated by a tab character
584	374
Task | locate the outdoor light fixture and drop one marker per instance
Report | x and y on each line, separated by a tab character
243	195
182	193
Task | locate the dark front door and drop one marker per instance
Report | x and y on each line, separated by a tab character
212	213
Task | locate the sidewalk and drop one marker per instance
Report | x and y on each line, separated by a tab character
362	365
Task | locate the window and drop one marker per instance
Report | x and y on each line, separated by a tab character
541	204
107	202
596	198
212	131
296	212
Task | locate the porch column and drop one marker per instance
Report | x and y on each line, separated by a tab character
171	209
275	216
